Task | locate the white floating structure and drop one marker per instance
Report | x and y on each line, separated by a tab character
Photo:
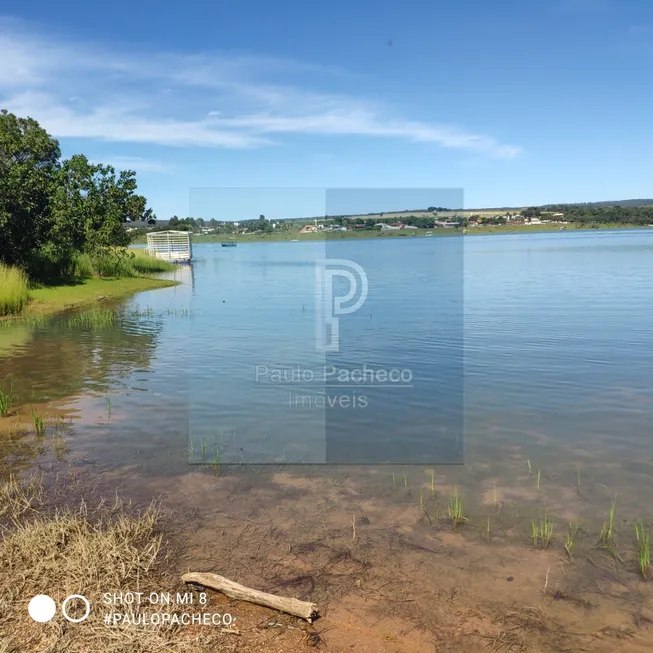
175	246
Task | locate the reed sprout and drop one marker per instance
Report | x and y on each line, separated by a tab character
455	510
542	532
606	539
39	424
6	401
570	538
643	537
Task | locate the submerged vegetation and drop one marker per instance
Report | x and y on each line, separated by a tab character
6	400
455	510
643	540
542	532
606	539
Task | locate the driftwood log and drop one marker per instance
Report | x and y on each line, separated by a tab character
297	608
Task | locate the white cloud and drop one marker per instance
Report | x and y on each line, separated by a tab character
84	91
133	163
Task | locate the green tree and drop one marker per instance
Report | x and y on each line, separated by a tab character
29	161
91	203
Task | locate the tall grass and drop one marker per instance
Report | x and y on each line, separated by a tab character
6	400
643	537
144	264
13	290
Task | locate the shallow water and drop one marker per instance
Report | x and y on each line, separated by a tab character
552	362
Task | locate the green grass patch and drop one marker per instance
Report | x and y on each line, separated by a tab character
14	290
643	540
456	510
144	264
6	401
39	424
542	532
95	319
52	299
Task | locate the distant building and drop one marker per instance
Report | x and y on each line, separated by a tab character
308	229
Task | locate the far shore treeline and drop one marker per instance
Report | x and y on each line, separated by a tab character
627	213
60	219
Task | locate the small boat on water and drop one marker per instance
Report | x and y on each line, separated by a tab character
428	233
229	243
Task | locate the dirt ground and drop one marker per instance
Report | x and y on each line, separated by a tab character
381	557
390	578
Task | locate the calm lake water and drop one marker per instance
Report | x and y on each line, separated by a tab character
540	342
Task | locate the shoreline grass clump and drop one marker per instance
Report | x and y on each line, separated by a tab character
542	532
6	401
144	264
606	538
37	421
455	509
643	538
95	319
570	538
14	290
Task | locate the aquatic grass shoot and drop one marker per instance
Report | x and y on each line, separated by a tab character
215	463
95	319
578	480
606	539
6	400
542	532
455	510
538	480
570	538
643	539
39	424
530	469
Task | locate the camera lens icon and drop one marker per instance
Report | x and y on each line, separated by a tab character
42	608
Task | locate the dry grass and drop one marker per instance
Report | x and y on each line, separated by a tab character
88	551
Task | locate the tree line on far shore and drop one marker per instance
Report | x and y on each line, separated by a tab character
53	210
583	214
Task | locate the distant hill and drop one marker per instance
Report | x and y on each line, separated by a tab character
624	203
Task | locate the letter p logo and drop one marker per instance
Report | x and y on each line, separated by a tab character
331	302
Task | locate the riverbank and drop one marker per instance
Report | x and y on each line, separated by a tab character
90	280
292	235
46	300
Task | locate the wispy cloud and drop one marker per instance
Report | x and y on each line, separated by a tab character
202	100
138	163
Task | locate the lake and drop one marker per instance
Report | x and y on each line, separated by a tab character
538	343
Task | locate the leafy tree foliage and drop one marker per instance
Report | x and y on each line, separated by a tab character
50	208
29	164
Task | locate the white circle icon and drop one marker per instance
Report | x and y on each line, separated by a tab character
42	608
70	598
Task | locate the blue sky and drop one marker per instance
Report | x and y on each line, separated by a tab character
513	102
